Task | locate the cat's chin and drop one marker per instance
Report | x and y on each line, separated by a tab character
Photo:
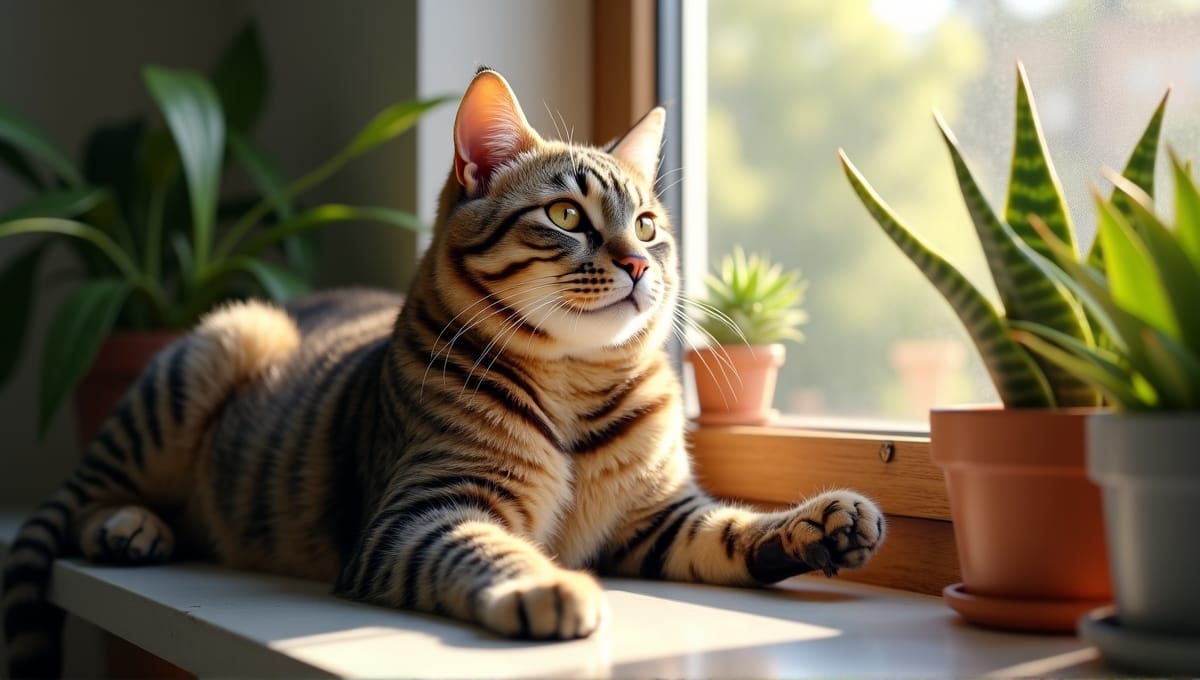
579	331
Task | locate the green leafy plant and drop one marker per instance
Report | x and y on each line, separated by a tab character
157	238
1144	297
1017	248
753	300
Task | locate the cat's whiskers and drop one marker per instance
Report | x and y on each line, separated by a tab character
507	332
681	323
489	302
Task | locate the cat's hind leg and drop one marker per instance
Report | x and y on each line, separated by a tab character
123	534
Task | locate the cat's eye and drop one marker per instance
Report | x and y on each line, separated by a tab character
644	228
565	214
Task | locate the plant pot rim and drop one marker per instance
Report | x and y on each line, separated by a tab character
1152	445
1026	441
772	353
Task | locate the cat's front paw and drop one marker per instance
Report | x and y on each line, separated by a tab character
834	530
558	604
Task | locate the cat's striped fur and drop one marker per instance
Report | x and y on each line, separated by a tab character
517	425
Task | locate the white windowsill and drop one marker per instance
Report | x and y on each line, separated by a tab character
215	621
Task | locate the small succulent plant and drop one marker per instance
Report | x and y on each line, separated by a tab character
753	300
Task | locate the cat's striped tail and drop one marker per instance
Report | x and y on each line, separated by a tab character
138	465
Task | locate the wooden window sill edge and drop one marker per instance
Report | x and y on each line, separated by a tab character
775	466
214	621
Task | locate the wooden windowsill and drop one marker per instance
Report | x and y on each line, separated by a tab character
777	466
215	621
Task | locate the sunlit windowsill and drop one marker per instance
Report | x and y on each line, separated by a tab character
214	621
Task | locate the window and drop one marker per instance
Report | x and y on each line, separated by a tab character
789	82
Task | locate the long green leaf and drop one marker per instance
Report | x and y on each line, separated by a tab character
102	241
1177	371
193	113
1179	278
241	79
265	173
20	166
327	214
1018	379
279	284
1187	210
57	203
1139	169
23	135
1132	275
1027	293
388	124
1083	361
17	294
1033	187
75	335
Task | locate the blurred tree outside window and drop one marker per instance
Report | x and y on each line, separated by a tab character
791	81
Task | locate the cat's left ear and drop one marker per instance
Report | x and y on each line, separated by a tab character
489	131
641	145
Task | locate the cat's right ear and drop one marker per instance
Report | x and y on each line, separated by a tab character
489	131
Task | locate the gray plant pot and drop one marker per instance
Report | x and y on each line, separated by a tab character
1148	468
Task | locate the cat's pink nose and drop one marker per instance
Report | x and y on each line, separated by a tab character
635	265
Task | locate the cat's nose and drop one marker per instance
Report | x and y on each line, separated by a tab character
634	265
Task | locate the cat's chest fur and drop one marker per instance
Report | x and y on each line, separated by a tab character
618	425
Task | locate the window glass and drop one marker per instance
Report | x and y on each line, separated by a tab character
791	81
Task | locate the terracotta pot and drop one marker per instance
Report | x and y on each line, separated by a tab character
1027	521
118	363
735	384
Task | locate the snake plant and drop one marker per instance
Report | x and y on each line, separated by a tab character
1035	228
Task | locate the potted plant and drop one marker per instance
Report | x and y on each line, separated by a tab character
1027	521
157	239
1143	454
752	305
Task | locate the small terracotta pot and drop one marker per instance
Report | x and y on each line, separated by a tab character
118	363
735	384
1027	521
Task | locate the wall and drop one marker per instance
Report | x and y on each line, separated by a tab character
333	66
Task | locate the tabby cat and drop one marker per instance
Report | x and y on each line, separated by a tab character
516	426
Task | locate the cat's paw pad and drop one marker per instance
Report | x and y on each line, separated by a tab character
131	535
556	605
852	526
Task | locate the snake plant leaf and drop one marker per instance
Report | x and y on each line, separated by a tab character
1173	269
24	136
57	203
76	333
193	113
1139	169
1026	292
1019	380
17	294
1033	187
1178	371
1187	210
241	79
1101	371
325	214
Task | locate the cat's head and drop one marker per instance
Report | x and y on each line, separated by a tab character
552	248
